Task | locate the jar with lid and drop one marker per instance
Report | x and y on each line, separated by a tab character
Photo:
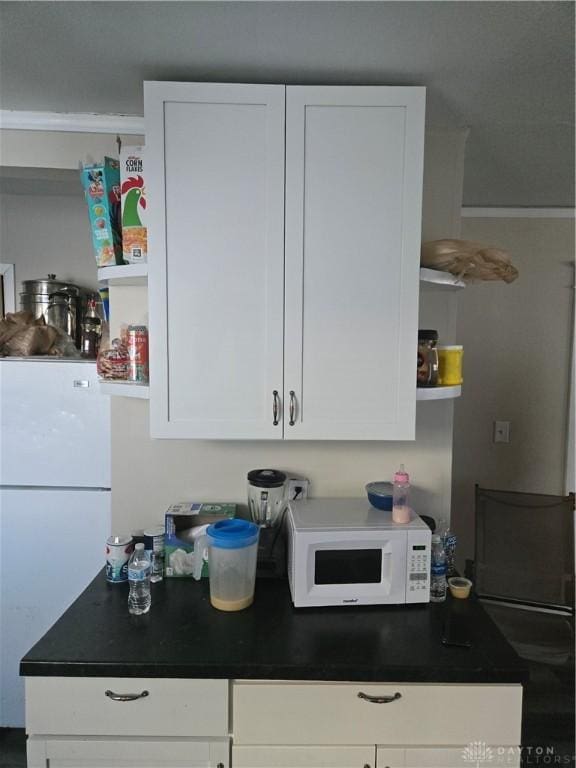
427	370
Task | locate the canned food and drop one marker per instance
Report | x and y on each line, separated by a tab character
137	344
154	544
118	551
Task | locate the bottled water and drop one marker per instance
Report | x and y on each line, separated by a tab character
139	568
438	571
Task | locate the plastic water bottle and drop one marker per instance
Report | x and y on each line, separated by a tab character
139	568
401	512
438	571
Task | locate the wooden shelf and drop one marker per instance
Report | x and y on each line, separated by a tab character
127	274
438	393
434	278
125	389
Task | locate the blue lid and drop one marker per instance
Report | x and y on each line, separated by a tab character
233	534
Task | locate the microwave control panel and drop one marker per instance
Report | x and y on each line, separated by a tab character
418	567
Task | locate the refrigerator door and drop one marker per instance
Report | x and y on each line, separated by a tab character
52	544
55	425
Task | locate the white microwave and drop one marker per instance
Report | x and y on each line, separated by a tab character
345	552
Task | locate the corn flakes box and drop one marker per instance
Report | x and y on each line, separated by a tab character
134	216
101	184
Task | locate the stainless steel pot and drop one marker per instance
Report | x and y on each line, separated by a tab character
59	303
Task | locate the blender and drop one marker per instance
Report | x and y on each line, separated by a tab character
267	504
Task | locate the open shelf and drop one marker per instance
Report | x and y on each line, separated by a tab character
434	278
438	393
126	274
125	389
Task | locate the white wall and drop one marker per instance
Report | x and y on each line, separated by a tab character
47	233
148	475
517	342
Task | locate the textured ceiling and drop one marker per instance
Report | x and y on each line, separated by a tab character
505	69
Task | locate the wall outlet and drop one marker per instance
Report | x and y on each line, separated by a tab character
501	432
298	488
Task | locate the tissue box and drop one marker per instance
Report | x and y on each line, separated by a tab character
185	522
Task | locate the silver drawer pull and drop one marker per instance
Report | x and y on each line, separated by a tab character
379	699
126	696
81	383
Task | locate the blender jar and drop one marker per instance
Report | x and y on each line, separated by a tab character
232	551
266	496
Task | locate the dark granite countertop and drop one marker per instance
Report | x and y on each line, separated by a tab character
184	637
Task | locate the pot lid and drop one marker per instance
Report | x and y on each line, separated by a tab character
47	285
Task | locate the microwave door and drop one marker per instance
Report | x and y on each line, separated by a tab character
357	572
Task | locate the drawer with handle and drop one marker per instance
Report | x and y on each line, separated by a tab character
359	713
118	706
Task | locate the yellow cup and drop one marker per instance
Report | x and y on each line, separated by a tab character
450	365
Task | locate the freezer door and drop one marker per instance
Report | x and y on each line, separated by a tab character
55	425
52	544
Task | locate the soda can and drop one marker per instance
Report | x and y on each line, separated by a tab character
137	344
118	551
154	545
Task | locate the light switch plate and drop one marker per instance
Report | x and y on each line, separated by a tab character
501	432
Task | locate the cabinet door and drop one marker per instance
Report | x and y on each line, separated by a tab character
303	757
126	753
476	753
353	211
215	165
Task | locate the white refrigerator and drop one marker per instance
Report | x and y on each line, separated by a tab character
54	503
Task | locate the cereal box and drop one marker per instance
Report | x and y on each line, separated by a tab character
185	523
134	220
101	183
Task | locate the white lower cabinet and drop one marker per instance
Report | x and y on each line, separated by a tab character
168	723
303	757
58	752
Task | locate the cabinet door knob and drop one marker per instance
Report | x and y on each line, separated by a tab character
379	699
275	407
292	407
125	696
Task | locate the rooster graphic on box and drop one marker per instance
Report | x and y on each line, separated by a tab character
134	239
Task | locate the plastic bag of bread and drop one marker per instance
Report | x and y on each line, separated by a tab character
23	335
467	260
112	362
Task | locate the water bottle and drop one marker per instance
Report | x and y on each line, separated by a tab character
449	541
438	571
139	569
401	512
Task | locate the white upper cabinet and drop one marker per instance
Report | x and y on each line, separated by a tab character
285	239
354	158
215	156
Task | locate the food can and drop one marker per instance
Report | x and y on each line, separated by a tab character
137	343
154	544
118	551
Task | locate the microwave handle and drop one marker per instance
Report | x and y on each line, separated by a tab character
379	699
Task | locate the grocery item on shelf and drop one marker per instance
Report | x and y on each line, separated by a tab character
101	184
134	202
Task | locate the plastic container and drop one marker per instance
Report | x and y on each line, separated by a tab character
232	553
460	587
450	365
427	366
438	571
380	494
139	567
401	512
